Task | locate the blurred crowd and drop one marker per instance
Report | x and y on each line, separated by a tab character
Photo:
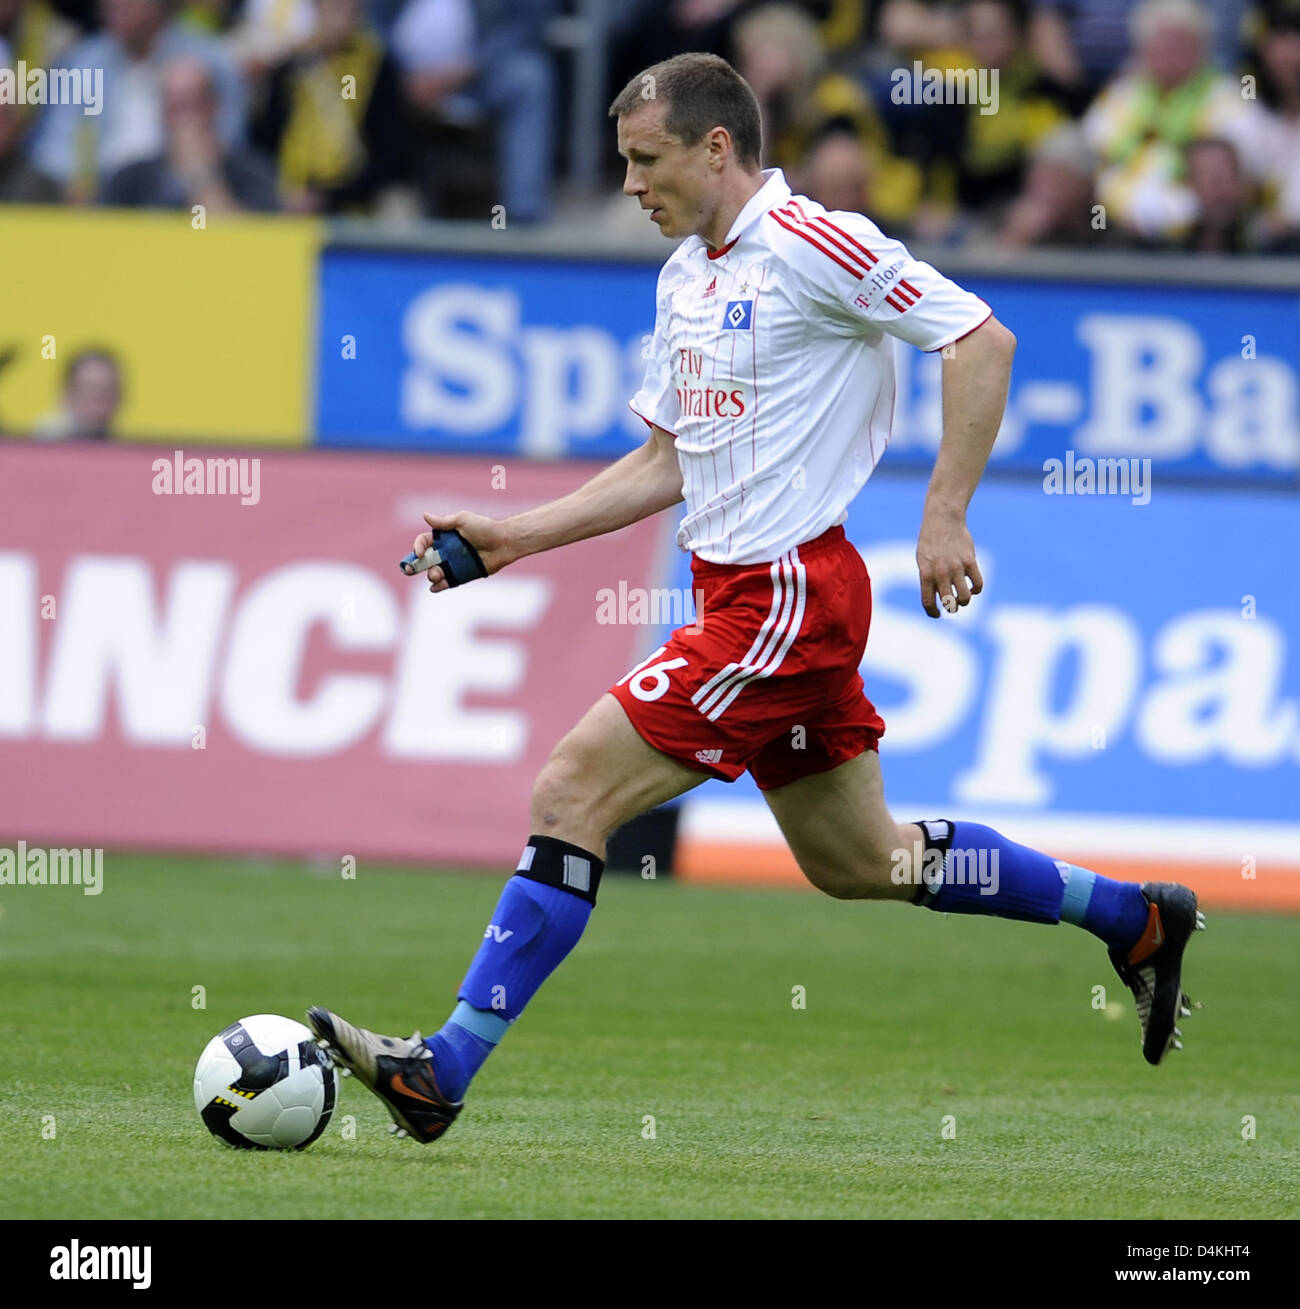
1151	124
303	106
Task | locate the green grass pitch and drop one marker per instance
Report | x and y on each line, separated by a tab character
675	1010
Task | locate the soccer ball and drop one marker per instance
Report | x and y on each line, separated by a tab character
264	1084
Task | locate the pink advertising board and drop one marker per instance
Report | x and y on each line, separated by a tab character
207	657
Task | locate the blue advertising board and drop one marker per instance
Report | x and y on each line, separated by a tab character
484	356
539	357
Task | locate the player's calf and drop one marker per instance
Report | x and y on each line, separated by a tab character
864	871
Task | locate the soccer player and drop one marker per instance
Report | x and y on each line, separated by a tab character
769	396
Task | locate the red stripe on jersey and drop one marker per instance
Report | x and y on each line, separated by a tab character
904	296
839	245
907	286
803	232
896	304
827	237
823	221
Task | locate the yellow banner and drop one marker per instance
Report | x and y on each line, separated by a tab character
211	328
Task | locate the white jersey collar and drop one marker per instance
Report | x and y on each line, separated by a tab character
774	191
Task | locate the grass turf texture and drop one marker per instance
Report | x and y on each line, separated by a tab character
676	1004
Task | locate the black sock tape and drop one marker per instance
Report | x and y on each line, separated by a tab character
564	866
938	834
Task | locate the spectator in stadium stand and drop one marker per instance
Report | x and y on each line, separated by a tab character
923	136
980	159
335	153
139	39
466	64
1055	206
780	55
995	148
644	30
835	172
20	183
1226	222
92	395
905	31
34	33
1276	66
1141	122
1084	43
195	168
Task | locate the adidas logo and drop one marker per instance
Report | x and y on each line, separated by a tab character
710	289
709	756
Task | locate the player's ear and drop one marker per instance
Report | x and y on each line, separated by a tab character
719	147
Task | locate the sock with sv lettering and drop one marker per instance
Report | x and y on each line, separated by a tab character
539	918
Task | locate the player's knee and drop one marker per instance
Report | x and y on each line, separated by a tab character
556	794
563	793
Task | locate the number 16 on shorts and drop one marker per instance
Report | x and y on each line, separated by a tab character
649	680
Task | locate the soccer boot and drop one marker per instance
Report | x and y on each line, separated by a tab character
400	1072
1152	969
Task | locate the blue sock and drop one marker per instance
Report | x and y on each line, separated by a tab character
539	918
1115	911
984	873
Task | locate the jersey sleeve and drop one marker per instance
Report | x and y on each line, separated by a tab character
864	279
656	401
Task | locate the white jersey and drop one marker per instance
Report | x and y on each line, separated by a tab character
773	368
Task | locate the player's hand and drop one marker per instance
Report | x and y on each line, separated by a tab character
489	536
945	555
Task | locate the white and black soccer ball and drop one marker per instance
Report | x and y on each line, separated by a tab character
264	1084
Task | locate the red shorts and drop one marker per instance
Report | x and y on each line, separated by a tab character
767	678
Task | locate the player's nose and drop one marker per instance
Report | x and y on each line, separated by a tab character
633	182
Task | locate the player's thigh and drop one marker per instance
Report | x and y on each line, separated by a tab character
600	775
840	831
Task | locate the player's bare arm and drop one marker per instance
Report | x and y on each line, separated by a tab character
643	482
975	378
